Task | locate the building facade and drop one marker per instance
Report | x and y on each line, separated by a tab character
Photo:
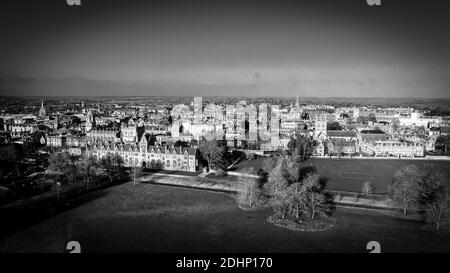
154	157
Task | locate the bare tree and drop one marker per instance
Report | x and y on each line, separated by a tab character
249	192
432	184
276	189
73	167
295	199
88	167
406	187
367	188
113	165
438	210
280	202
276	182
314	202
338	146
212	152
58	163
135	169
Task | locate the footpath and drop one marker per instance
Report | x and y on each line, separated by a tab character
215	184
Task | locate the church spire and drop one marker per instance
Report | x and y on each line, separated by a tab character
42	112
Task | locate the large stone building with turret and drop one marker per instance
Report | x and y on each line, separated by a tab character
142	154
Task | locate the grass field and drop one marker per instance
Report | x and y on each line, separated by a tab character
154	218
349	174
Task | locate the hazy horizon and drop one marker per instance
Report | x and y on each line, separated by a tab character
322	49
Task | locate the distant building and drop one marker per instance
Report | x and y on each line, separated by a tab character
75	141
56	140
90	121
154	157
341	134
320	129
42	112
198	110
393	148
75	151
129	132
252	123
103	135
275	127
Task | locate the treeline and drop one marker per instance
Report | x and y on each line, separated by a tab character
69	171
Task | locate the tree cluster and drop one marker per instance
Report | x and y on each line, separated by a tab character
300	147
293	195
65	169
412	189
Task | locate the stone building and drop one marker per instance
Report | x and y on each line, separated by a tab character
154	157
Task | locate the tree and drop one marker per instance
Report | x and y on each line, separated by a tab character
212	152
295	199
276	181
367	188
300	147
435	199
134	170
280	202
431	186
362	119
276	189
58	163
88	167
249	192
338	146
73	167
372	117
113	165
395	124
406	187
313	201
442	143
437	210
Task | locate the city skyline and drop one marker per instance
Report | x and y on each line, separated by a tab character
210	48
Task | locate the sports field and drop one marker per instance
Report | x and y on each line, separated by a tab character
156	218
350	174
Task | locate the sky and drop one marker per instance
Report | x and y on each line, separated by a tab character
320	48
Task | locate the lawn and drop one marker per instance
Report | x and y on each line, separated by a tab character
350	174
155	218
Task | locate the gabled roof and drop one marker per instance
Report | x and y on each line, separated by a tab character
103	145
341	133
373	137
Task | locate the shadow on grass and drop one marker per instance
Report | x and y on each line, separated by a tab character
16	219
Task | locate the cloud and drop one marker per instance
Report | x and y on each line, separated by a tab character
354	81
